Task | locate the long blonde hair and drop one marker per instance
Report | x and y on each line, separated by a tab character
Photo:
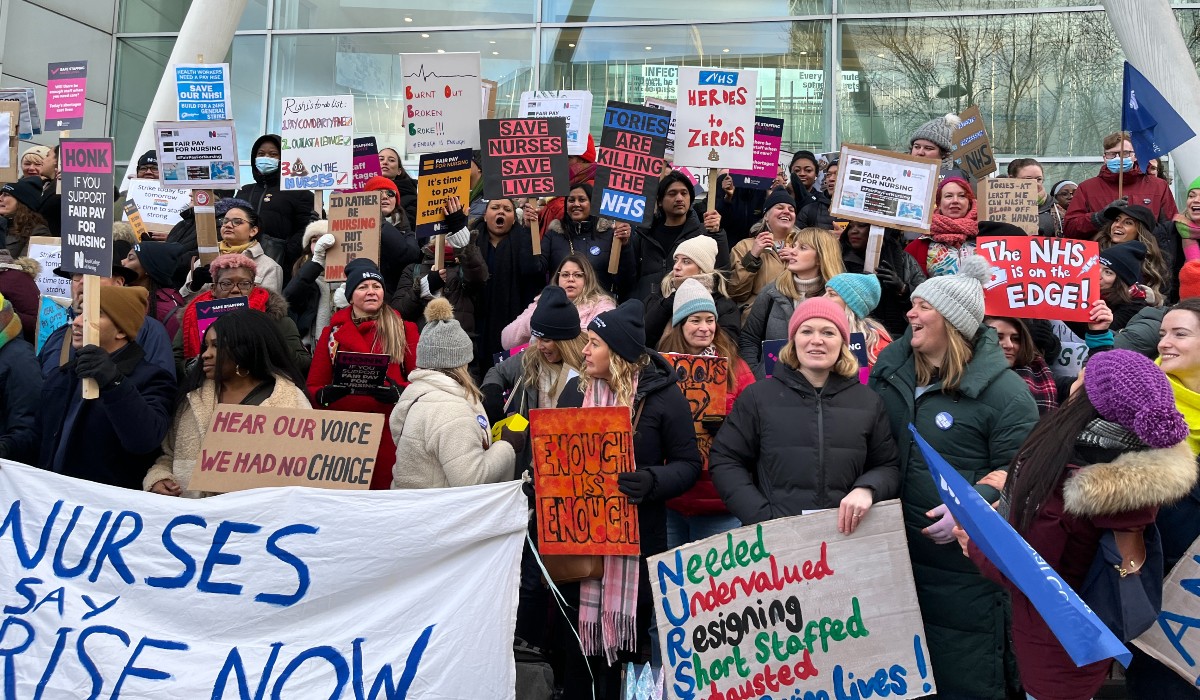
592	292
870	328
829	259
390	333
954	365
464	379
712	281
623	373
533	365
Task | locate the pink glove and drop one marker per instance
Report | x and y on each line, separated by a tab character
942	530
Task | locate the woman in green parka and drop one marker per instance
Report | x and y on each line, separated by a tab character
948	377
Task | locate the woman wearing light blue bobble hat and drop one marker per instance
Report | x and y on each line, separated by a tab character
859	295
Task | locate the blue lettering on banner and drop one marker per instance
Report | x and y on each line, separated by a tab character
622	205
718	77
637	122
311	182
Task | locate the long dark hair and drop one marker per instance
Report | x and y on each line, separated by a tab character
249	339
1038	465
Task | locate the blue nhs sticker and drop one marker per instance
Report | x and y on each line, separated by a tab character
594	250
943	420
718	77
483	422
622	205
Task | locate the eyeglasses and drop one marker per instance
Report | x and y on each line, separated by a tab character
234	222
1114	154
570	275
147	169
242	286
386	193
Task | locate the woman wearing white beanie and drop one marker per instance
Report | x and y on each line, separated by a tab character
948	377
695	259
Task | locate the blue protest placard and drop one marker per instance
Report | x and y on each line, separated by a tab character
52	315
203	92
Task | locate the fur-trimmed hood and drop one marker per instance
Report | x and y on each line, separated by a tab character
27	265
1131	481
600	224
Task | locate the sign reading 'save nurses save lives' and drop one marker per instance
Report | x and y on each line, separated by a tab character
318	143
87	205
714	118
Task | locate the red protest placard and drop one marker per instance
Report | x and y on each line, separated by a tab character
577	454
1040	277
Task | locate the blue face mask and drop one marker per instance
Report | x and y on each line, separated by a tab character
266	165
1119	165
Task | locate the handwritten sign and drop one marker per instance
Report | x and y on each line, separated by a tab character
47	250
366	161
793	609
714	117
66	95
629	161
52	315
1169	641
768	138
360	370
197	156
439	177
202	92
574	106
885	188
1010	200
577	454
524	157
318	143
1041	277
354	221
248	447
972	147
207	312
704	382
442	101
158	206
269	589
87	205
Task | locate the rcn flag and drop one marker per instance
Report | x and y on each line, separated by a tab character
1154	127
1081	633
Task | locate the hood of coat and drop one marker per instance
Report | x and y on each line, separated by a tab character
277	306
656	375
795	380
429	386
27	265
259	177
585	228
986	365
1134	480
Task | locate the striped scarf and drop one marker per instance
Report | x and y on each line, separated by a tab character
10	323
608	607
1041	384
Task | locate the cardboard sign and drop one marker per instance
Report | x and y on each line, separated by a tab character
1041	277
66	95
714	117
574	106
360	370
524	157
87	205
1010	200
885	188
770	354
442	101
47	250
250	447
669	107
439	177
768	138
194	155
209	311
158	206
704	382
52	315
318	143
972	147
202	92
488	90
629	162
354	220
577	454
792	608
1169	641
366	161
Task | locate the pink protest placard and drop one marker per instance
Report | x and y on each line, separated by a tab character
768	139
66	90
366	161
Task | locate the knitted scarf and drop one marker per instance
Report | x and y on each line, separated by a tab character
1189	234
10	324
954	232
191	329
608	607
227	249
1041	384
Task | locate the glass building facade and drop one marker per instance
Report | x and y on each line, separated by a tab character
1045	73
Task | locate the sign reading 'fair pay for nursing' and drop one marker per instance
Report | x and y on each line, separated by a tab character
714	118
885	188
1041	277
790	608
87	205
318	143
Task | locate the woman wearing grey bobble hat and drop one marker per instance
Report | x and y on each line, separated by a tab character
443	437
948	377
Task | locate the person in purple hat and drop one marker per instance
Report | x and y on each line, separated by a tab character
1108	459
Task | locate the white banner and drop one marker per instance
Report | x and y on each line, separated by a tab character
47	250
441	111
573	105
284	592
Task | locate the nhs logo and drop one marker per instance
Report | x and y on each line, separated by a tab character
718	77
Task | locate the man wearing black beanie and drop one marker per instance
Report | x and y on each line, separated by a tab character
674	222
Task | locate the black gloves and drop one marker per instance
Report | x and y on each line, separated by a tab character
712	424
456	221
1098	216
91	362
889	280
201	276
514	438
388	393
636	484
329	394
435	281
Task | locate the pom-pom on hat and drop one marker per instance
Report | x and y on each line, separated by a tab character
1127	388
958	298
939	130
691	298
443	343
860	292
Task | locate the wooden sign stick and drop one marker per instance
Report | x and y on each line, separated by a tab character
91	327
205	213
536	236
614	255
439	252
712	189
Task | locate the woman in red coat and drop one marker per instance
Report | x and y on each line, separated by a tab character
368	325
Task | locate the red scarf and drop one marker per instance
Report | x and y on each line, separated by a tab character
191	330
954	232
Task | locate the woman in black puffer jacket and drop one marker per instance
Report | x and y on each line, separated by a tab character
284	213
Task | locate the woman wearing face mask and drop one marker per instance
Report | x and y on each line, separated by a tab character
897	272
514	274
948	377
695	259
756	261
581	233
406	187
1085	217
811	257
1129	222
1050	221
243	361
283	214
952	232
578	280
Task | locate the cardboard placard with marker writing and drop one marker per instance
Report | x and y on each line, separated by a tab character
354	221
1009	200
972	147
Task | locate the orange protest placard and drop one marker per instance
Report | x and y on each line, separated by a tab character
704	381
577	454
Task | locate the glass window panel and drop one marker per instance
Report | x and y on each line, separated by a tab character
885	6
152	16
368	67
399	14
635	10
630	64
140	65
1046	84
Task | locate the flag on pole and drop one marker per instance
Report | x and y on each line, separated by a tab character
1084	636
1154	127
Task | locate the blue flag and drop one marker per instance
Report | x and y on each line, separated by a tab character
1081	633
1154	127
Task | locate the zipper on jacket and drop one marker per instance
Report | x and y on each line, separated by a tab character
824	485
